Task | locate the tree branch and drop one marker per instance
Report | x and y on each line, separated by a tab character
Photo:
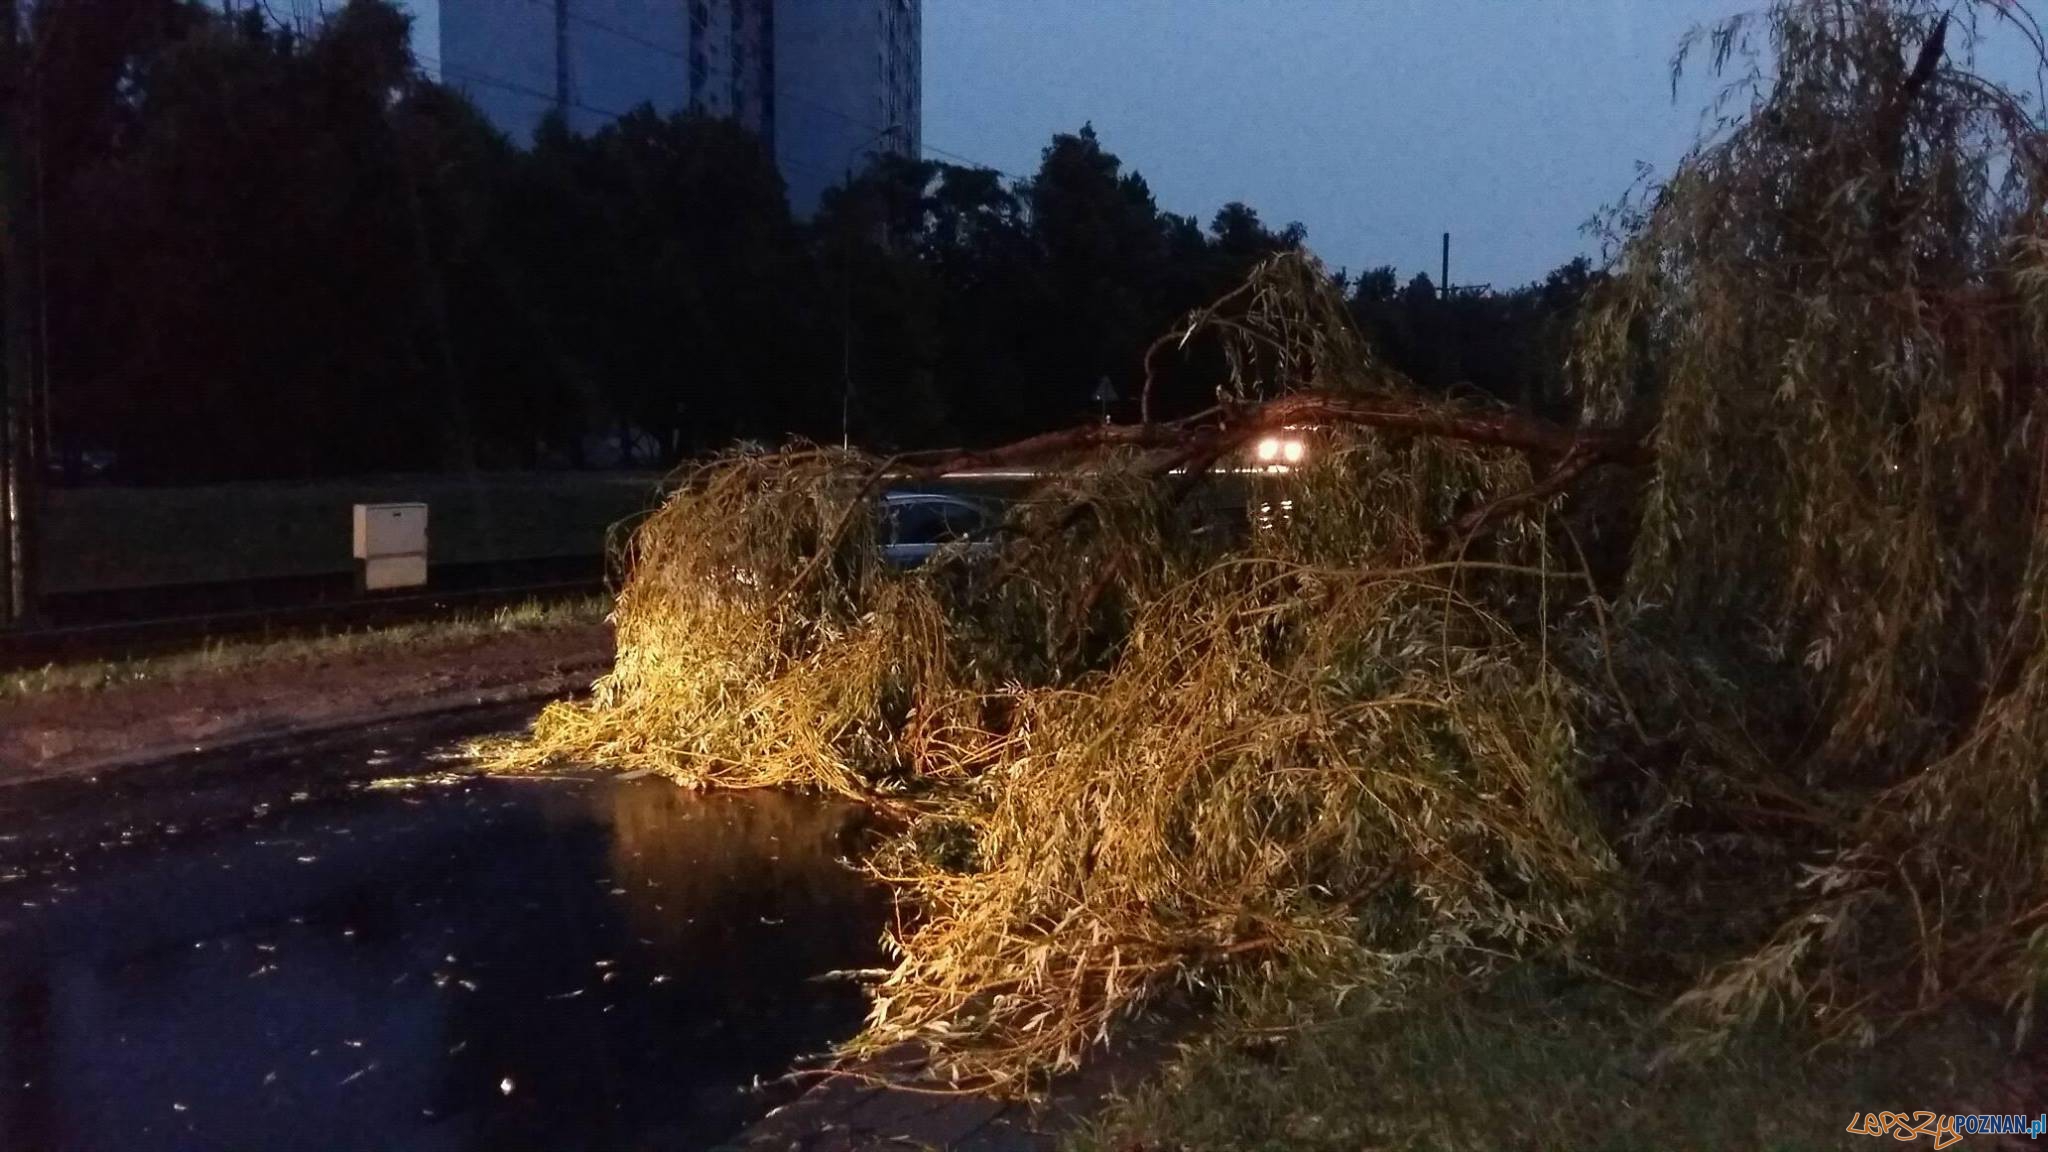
1573	466
1216	433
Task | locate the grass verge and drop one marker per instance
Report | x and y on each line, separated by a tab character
1535	1063
217	657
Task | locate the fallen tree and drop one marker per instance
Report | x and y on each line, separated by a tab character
1793	765
1131	751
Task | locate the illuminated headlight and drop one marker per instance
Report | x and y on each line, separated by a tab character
1276	450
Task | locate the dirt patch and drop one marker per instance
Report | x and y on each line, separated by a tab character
88	730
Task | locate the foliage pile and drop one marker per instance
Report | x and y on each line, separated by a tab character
761	641
1402	725
1324	753
1135	746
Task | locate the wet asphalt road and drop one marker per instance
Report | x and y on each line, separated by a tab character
339	944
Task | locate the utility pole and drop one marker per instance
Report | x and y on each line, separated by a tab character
20	470
1443	281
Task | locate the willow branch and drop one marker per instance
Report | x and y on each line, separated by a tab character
1214	434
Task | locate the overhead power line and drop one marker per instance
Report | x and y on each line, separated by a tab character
500	82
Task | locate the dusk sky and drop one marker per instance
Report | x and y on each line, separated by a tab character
1378	124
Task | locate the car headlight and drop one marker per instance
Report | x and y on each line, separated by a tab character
1277	450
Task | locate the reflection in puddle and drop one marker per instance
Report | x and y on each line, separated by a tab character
560	964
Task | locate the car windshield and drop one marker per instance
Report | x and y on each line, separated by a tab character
933	522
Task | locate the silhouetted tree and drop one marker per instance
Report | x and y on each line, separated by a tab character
286	253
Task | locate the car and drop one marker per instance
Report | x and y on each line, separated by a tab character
917	524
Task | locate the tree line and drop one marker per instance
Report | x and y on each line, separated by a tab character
275	252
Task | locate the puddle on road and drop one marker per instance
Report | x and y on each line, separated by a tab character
478	965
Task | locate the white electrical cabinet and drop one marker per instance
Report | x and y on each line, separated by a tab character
391	545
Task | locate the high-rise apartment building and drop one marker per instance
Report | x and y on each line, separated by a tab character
826	83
